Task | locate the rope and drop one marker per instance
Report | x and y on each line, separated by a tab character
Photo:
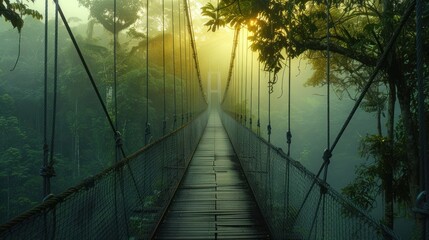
328	76
147	130
43	170
269	108
115	200
245	92
45	111
191	90
258	124
289	133
115	41
50	171
181	63
240	72
164	122
88	72
174	67
251	91
186	74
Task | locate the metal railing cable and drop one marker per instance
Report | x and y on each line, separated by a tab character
85	211
147	130
343	219
90	210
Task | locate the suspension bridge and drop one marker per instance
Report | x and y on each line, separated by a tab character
212	176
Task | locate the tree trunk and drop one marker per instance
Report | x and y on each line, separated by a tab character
404	99
388	158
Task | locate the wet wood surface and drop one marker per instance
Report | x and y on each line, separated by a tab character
214	200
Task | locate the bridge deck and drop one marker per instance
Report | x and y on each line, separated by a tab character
214	199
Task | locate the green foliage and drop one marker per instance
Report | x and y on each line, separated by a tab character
367	185
103	10
14	12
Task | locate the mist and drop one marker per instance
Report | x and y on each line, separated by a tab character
83	144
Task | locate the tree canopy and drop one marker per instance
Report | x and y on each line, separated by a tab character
356	32
14	12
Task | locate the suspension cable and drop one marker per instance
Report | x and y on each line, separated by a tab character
240	70
51	171
174	66
378	67
186	71
44	168
45	111
328	76
194	48
118	137
115	41
231	63
147	131
251	90
115	115
289	133
258	124
269	106
180	61
328	154
164	121
246	79
97	92
88	72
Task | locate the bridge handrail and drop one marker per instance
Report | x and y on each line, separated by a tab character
273	175
125	200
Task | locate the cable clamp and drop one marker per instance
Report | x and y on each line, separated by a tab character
323	188
47	171
118	139
289	137
269	129
327	154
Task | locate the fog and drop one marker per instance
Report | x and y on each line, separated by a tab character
308	104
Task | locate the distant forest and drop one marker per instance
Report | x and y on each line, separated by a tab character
84	143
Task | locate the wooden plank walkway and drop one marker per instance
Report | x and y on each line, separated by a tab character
214	200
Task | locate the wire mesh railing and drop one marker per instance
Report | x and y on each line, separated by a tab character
125	201
292	208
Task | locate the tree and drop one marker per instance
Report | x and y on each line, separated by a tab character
359	31
14	12
103	11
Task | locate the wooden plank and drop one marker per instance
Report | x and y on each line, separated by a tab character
214	200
